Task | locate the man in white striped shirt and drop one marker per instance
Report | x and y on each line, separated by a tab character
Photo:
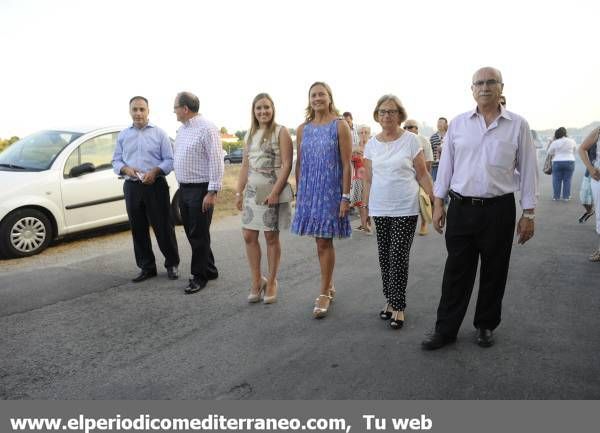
198	166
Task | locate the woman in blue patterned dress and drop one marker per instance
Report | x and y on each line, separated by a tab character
323	182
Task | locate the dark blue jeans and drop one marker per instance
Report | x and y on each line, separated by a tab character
562	173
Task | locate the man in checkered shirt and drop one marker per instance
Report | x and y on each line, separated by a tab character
198	166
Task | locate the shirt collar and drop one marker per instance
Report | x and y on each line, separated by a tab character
192	120
503	113
149	125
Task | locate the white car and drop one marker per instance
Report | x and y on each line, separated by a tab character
60	182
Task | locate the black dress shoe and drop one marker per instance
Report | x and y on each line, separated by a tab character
195	286
212	276
172	272
144	275
485	337
436	341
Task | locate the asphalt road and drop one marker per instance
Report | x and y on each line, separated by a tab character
75	327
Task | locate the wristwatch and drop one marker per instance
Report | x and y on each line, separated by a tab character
346	197
213	191
528	215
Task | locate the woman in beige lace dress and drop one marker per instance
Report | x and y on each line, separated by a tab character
264	195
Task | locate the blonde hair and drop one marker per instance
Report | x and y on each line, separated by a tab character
389	97
310	113
255	126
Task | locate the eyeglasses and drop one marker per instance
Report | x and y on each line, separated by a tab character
390	112
489	83
175	107
411	127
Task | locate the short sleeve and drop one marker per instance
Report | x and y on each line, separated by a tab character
415	146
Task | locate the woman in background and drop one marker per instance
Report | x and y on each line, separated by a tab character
358	176
585	193
594	169
563	164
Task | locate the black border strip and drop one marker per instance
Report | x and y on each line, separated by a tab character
95	202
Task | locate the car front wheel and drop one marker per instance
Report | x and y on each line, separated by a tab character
24	232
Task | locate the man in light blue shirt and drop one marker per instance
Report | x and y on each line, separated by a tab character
144	154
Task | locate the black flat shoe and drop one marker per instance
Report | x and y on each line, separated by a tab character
396	323
144	275
590	213
195	286
586	216
485	337
172	273
436	341
385	314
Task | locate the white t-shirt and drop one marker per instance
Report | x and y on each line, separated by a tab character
563	149
394	187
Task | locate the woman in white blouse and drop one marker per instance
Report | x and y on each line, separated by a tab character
394	169
563	164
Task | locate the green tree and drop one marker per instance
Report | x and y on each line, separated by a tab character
240	134
223	130
4	143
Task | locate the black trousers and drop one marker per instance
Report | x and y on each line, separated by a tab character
149	205
197	228
473	233
394	238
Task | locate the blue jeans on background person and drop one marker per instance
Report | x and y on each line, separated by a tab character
562	173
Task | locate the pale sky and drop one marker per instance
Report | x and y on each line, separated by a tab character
71	63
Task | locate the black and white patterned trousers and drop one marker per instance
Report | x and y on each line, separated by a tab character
394	238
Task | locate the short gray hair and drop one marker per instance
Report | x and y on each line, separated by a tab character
188	99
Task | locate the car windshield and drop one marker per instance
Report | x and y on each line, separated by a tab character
36	151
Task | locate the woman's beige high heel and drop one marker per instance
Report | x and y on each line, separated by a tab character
272	299
257	297
320	312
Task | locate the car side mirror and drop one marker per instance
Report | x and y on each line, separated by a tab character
78	170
